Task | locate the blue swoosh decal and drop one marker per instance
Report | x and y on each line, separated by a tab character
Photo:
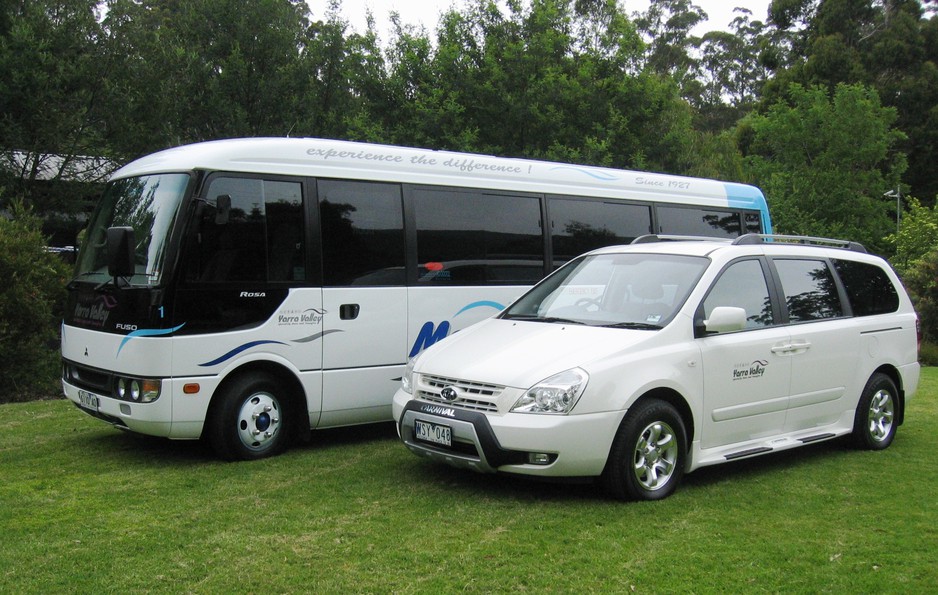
148	332
482	304
316	336
605	177
238	350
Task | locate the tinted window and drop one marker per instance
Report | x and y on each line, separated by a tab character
578	226
261	239
868	288
742	285
362	233
753	222
810	292
697	222
473	238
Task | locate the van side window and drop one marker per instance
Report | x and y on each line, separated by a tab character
742	285
470	237
809	288
868	288
362	233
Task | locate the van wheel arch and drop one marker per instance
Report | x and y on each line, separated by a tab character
287	389
659	414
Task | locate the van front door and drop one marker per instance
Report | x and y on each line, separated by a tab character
748	372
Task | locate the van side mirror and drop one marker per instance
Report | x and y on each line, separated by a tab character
120	251
724	319
222	209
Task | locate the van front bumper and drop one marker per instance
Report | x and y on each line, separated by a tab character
521	443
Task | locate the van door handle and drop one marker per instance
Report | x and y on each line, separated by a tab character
349	311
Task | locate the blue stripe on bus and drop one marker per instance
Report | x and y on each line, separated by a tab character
148	332
238	350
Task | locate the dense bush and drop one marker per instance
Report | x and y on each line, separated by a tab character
921	279
31	297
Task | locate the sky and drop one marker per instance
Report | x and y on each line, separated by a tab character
427	12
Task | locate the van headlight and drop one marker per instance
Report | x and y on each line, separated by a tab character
557	394
407	380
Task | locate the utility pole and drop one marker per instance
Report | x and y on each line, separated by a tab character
897	194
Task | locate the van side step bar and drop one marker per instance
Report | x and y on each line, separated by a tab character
748	453
816	438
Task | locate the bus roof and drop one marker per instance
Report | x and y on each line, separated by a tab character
364	161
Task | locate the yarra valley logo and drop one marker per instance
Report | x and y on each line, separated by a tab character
749	371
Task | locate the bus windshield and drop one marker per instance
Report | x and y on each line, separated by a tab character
148	204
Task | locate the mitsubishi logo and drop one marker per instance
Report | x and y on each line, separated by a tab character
449	394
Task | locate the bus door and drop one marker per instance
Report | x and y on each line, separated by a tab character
244	291
364	299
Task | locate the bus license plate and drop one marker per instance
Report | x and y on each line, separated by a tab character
88	400
435	433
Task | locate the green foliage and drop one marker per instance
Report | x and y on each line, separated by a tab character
918	234
820	180
921	280
30	309
928	354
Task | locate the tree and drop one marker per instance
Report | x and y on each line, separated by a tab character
30	308
888	45
50	92
203	69
917	235
824	162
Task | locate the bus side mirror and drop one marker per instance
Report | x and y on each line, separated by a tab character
222	209
120	251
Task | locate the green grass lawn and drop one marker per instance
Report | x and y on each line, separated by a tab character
85	508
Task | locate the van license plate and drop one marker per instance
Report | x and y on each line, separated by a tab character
88	400
435	433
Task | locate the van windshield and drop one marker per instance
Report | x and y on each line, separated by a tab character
148	204
638	291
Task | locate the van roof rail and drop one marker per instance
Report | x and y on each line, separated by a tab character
760	238
650	238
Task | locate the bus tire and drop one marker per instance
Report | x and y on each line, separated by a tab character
251	419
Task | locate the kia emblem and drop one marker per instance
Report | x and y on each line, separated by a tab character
448	394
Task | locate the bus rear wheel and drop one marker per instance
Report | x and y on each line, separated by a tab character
251	419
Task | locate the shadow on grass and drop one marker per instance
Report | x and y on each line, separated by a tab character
132	447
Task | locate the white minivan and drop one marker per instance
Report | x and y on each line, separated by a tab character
638	363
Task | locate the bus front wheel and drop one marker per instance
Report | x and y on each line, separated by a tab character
250	420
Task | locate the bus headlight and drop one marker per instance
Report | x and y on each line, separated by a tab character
557	394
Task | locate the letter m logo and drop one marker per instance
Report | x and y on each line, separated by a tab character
427	336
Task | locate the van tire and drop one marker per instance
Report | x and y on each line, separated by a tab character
251	418
876	420
648	455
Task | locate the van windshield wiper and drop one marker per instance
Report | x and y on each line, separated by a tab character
642	326
548	319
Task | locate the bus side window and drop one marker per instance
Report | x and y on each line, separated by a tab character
471	237
261	240
362	233
286	251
